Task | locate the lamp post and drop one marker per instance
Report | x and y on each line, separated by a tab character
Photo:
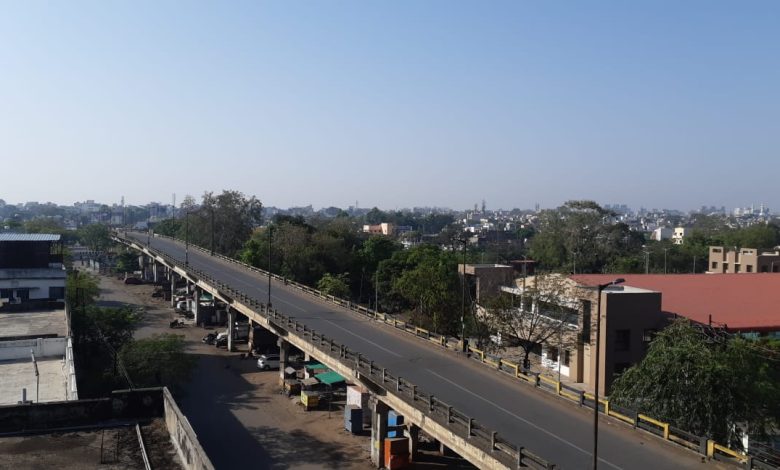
270	235
600	288
187	238
665	250
647	259
212	231
463	300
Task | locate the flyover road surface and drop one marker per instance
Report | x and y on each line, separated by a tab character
556	430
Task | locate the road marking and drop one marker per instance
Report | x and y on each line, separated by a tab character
364	339
535	426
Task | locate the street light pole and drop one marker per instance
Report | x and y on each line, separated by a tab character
463	301
601	287
376	290
665	250
270	235
187	238
212	231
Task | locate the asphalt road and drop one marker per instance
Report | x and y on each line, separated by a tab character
556	430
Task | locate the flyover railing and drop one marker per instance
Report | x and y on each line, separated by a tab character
762	460
455	421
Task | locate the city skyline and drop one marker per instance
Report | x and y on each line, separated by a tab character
663	105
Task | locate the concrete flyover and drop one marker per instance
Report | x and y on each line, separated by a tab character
483	416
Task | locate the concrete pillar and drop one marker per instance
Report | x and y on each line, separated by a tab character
173	288
378	431
155	271
284	348
306	357
231	329
195	309
414	439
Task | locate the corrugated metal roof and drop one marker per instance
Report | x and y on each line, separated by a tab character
29	237
329	378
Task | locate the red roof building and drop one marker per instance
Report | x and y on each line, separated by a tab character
741	302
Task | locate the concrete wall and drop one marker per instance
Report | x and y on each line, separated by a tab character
71	390
183	437
42	347
140	404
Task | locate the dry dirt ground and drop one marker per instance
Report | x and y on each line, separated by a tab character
239	414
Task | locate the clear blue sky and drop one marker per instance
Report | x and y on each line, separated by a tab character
394	104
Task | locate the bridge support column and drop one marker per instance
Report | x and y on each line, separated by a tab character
378	431
414	439
195	306
156	271
172	276
284	349
231	330
142	265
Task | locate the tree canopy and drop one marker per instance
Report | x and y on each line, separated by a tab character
707	383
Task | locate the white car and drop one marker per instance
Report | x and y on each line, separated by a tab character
268	361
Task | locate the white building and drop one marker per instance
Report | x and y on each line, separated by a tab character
31	268
661	233
678	237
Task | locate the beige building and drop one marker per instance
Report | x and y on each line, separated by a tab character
384	228
567	309
723	260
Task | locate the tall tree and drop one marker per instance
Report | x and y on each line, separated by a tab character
706	383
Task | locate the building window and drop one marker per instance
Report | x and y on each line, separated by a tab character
6	293
716	250
23	294
566	358
56	293
725	267
737	268
714	265
622	340
749	268
586	305
552	353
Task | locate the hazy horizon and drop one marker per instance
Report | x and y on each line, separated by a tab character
666	105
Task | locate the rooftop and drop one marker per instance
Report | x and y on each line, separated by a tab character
747	302
20	373
33	324
29	237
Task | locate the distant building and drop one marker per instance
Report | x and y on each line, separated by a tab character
661	233
678	237
742	260
384	228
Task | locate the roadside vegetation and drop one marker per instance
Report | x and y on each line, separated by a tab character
706	382
107	356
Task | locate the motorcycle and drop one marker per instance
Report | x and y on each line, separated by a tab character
210	338
177	323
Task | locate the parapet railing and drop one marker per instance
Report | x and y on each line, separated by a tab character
456	421
761	460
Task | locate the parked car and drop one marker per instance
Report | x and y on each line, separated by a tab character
268	361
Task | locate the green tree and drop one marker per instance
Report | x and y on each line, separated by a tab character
168	227
127	262
81	290
705	383
430	284
96	237
157	361
335	285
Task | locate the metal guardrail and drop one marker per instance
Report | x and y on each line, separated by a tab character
699	444
457	422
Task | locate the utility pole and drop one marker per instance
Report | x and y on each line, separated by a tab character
212	231
463	300
665	250
187	238
376	290
270	235
37	377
